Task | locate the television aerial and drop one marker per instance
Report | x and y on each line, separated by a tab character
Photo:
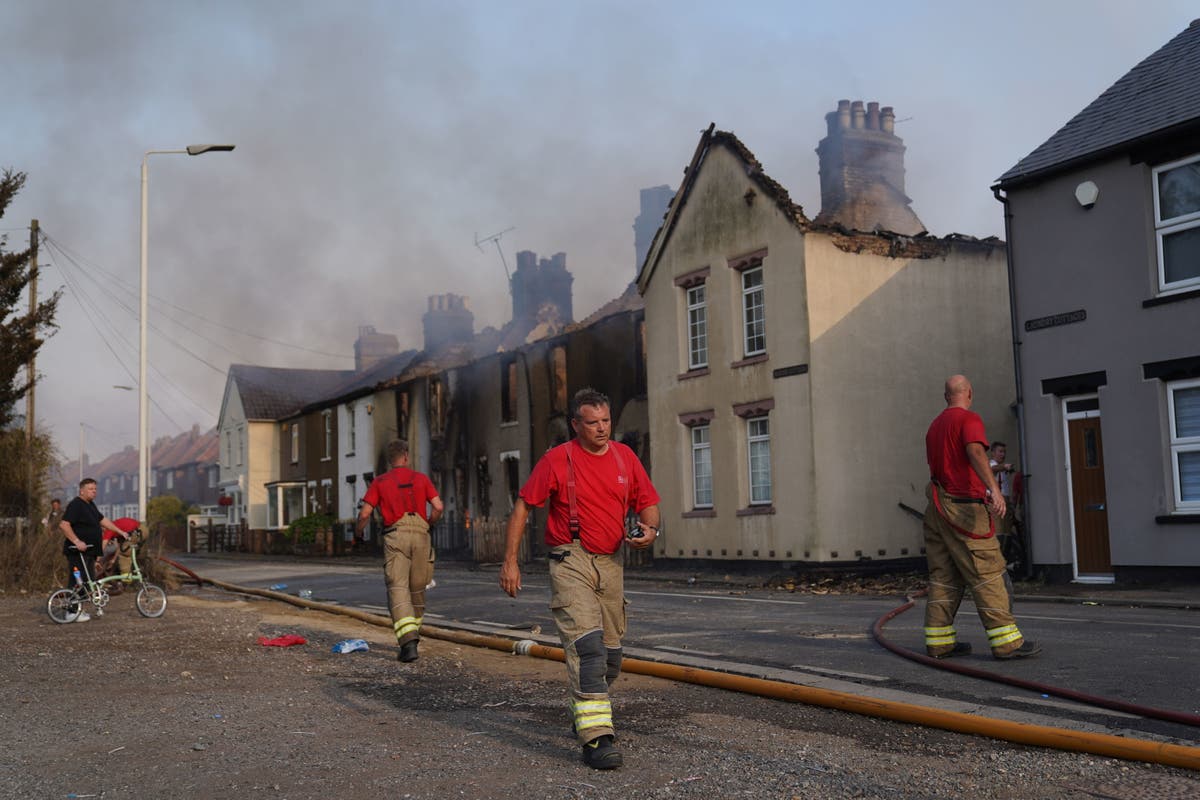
495	237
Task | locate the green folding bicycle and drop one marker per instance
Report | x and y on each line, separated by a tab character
65	605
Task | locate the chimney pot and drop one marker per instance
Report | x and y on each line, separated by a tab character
857	115
872	116
843	114
887	120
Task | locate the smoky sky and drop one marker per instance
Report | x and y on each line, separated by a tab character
376	141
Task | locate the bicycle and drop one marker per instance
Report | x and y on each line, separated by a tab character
65	605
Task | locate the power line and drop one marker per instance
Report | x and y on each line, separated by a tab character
201	317
92	314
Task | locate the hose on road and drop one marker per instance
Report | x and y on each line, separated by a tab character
1166	715
1020	733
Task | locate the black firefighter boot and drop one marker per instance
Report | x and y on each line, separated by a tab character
599	753
408	651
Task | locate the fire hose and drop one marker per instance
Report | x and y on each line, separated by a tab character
1017	732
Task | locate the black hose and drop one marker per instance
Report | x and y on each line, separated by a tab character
974	672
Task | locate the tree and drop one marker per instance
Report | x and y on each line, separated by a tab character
168	511
21	332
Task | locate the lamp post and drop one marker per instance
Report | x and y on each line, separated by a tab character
143	409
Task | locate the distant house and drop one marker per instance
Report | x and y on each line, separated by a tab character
794	364
254	441
185	466
1104	230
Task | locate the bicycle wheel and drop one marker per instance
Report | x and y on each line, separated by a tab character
60	603
151	600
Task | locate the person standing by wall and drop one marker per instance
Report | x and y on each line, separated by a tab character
960	542
53	517
402	496
591	484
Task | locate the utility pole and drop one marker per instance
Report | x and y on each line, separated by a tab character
31	369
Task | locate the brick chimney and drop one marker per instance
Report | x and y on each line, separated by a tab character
448	320
654	206
371	347
537	282
862	171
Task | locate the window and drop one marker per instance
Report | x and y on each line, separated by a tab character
758	438
483	486
1183	403
327	486
558	371
153	478
170	479
212	477
702	490
327	419
508	390
241	447
437	408
754	323
228	448
285	504
511	461
295	443
697	311
351	430
1177	223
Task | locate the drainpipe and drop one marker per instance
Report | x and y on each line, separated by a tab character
1027	567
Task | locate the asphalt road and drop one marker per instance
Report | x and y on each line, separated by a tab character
1144	656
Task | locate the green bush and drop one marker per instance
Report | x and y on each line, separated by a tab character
305	529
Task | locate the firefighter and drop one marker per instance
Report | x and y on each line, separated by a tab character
402	495
960	542
591	484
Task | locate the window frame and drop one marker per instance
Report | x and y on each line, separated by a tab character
327	421
697	325
749	351
751	440
1172	225
1180	444
696	448
295	442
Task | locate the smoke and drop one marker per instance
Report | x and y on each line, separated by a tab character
376	140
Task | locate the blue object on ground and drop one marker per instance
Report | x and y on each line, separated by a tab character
279	587
350	645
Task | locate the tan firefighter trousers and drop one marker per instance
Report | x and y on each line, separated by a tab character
588	603
956	562
408	568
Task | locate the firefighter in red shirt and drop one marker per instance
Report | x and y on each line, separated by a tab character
401	496
960	542
591	484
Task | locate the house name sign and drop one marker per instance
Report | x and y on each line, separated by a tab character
1055	320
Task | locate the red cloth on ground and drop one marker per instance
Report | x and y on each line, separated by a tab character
282	641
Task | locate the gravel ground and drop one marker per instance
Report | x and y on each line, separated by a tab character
190	706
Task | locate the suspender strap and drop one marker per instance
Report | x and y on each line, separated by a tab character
572	507
573	521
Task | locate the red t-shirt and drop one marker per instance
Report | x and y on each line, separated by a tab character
946	451
602	494
400	491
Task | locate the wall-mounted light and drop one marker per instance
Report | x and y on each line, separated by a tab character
1086	193
370	408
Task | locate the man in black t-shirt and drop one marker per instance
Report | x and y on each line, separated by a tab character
83	526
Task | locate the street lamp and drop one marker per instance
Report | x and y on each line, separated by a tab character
143	409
